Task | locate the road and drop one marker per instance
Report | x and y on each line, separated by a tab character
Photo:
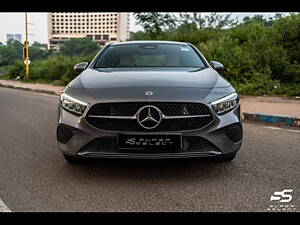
35	177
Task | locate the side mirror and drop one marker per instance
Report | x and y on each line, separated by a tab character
80	67
217	66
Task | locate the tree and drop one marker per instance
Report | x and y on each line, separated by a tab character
215	20
39	45
11	52
261	19
139	35
39	53
194	19
79	46
155	23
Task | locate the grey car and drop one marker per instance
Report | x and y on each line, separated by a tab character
149	99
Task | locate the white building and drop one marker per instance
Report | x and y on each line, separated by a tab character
17	37
102	28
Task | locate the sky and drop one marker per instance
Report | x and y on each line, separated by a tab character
14	23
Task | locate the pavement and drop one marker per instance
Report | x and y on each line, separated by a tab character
35	177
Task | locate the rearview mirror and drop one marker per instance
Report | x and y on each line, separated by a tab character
80	67
217	66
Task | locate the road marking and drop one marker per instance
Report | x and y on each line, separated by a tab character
278	128
3	207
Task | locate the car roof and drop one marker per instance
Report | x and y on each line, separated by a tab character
148	42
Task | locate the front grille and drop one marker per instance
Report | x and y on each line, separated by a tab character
130	109
109	144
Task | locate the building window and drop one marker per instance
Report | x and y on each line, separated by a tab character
105	37
97	37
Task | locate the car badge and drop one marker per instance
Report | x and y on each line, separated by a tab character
149	93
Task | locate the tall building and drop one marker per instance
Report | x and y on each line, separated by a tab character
17	37
102	28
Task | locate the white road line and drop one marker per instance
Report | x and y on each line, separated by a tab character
278	128
3	207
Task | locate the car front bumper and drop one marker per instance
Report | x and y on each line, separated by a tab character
74	134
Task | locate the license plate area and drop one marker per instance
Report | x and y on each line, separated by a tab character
149	142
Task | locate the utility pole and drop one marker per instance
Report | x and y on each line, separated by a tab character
26	47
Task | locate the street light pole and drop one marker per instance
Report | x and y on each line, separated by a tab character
26	46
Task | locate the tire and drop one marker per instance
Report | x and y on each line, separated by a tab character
228	157
71	160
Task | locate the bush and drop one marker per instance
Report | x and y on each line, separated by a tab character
56	68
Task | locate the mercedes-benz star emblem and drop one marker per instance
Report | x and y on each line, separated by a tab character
149	117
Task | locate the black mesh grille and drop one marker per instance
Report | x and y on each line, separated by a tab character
63	134
103	144
196	144
234	132
130	108
168	109
190	144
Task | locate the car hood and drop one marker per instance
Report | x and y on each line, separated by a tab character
191	85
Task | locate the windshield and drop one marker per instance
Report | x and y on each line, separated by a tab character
149	55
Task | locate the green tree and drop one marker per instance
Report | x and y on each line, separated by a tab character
39	45
155	23
216	20
10	52
38	53
79	46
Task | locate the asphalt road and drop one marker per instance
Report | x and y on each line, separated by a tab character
35	177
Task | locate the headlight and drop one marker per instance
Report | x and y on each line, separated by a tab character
72	104
226	103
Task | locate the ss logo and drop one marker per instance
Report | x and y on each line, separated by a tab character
282	196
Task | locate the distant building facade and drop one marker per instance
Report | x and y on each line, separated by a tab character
17	37
102	28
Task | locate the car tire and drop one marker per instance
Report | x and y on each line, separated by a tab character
227	157
71	160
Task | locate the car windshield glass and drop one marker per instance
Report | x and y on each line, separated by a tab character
149	55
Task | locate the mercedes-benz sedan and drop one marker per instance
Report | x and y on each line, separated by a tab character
149	99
